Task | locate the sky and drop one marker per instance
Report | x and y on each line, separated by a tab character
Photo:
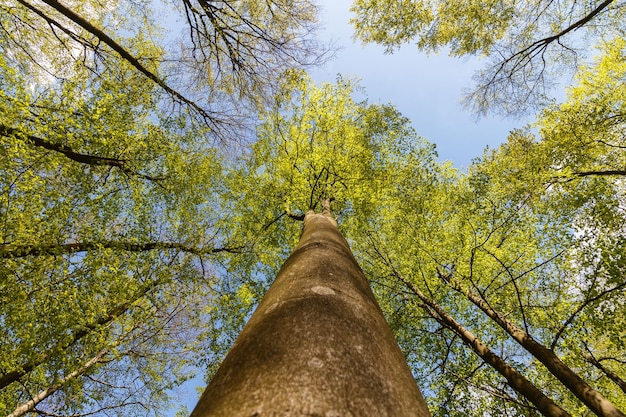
426	89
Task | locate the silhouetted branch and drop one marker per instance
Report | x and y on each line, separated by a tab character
19	251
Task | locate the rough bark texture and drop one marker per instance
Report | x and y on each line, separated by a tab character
317	345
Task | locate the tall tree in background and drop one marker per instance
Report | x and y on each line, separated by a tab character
528	44
530	243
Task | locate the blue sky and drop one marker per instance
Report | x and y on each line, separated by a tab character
426	89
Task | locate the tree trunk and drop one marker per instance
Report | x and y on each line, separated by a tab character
317	345
570	379
517	381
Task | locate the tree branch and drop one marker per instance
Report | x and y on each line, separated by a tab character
76	335
515	380
579	309
11	251
504	70
294	216
536	47
63	149
30	405
616	172
122	52
75	156
610	374
570	379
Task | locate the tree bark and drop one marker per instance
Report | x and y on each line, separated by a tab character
571	380
317	345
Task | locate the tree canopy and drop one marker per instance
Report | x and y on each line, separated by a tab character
149	194
528	45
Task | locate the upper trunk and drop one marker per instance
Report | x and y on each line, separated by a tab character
317	345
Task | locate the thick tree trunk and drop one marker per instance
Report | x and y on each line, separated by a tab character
317	345
570	379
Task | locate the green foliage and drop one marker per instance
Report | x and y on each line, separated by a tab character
110	239
536	229
529	45
466	27
126	236
92	173
315	143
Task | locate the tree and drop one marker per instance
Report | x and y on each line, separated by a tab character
529	44
296	162
97	189
225	63
317	343
289	169
505	260
126	236
314	145
528	242
516	380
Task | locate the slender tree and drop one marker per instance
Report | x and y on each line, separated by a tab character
580	388
516	380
